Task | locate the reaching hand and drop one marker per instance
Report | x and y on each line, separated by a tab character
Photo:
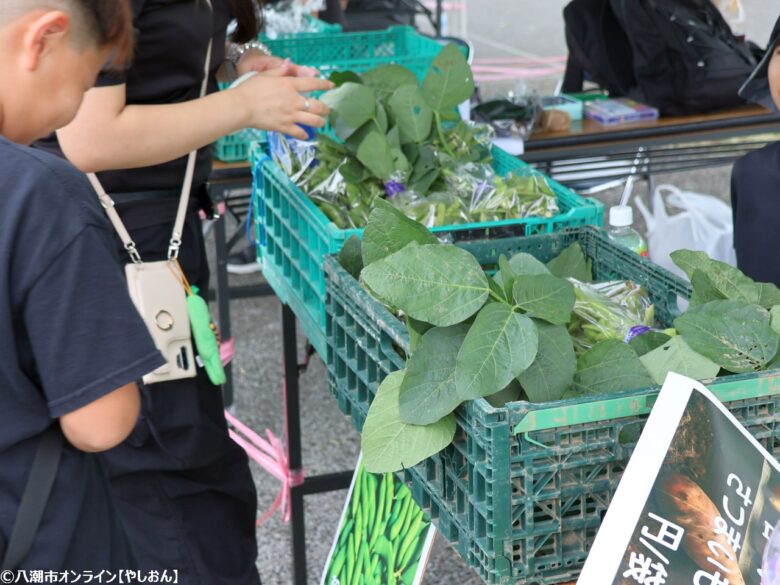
274	101
254	60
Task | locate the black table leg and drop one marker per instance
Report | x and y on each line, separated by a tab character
223	300
293	434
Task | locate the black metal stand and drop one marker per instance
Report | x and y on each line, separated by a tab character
301	486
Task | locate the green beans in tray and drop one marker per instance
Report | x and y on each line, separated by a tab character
382	534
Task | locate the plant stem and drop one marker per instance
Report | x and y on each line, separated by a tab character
442	138
498	298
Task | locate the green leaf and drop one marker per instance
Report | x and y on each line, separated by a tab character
768	295
350	257
526	265
512	393
375	154
703	290
388	443
497	289
352	105
449	81
726	280
425	171
339	78
545	297
381	119
416	330
400	163
734	334
648	341
442	285
354	172
520	264
388	78
394	138
388	231
505	276
499	346
774	319
678	357
412	115
610	366
571	263
428	391
552	372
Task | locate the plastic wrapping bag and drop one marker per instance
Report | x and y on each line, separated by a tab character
630	296
289	17
295	157
598	317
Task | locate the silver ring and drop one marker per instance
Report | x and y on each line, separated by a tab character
307	105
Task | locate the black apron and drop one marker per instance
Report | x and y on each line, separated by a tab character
183	488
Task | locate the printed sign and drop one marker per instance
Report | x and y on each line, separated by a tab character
383	537
697	503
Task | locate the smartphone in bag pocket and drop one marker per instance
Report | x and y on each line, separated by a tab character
160	299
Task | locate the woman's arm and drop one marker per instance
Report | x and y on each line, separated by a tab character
108	134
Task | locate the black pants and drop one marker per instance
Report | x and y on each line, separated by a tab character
183	488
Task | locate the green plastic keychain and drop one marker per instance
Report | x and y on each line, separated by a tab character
205	337
203	331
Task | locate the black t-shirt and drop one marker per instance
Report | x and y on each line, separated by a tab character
171	44
755	199
69	334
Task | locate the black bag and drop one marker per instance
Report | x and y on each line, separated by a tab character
598	48
683	56
36	495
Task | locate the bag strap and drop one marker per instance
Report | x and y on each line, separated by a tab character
35	497
184	199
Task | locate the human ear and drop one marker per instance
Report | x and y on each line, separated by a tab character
44	33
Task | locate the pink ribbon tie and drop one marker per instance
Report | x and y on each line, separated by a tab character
271	455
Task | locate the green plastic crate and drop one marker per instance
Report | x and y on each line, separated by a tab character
295	235
359	51
524	508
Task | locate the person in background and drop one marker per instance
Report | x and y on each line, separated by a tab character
733	12
183	487
71	342
755	179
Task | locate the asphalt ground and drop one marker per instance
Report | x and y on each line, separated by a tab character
512	30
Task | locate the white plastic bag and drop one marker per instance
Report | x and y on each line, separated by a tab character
704	224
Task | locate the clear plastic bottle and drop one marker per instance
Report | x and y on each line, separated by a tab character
621	218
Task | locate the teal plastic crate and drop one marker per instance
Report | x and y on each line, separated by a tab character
295	235
315	27
524	508
359	51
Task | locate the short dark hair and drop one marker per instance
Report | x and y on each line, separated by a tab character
110	24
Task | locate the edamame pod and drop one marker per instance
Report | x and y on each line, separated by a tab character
345	532
361	528
389	492
358	570
356	492
338	563
411	535
350	558
409	575
409	516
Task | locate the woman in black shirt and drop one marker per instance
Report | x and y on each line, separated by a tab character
183	487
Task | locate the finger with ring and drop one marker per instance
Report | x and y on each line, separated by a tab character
307	105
